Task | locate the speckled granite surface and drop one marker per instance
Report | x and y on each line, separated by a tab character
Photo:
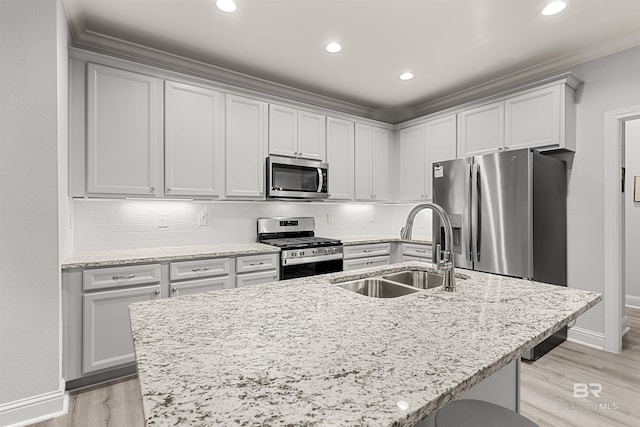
306	352
365	239
138	256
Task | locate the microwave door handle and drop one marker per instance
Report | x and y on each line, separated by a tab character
320	180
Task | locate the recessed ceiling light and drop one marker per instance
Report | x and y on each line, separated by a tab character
554	7
226	5
406	76
334	47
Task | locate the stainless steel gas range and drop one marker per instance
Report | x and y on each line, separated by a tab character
302	253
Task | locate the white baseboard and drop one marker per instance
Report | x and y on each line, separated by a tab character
586	337
34	409
632	301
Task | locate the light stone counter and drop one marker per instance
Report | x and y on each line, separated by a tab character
306	352
147	255
366	239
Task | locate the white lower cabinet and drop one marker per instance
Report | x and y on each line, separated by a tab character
201	285
367	255
422	252
106	334
358	263
256	269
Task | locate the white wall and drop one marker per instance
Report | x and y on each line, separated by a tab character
632	214
127	224
611	83
30	373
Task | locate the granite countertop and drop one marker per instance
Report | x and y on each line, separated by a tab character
305	351
145	255
367	239
175	253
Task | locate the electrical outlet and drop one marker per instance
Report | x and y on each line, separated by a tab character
329	218
372	217
163	221
202	217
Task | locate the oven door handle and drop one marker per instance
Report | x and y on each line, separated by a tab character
310	260
320	180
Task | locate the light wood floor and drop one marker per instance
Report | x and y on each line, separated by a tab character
547	390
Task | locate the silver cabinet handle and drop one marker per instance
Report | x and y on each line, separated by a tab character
123	276
168	189
421	251
366	250
174	289
200	269
157	292
256	263
152	189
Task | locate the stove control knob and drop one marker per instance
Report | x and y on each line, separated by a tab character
301	253
314	252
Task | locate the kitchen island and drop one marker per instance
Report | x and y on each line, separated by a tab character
306	351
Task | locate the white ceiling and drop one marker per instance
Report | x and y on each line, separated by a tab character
450	45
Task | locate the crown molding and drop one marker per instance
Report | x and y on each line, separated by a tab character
101	43
521	78
87	39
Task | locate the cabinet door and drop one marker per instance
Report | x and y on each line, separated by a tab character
440	137
380	167
533	119
481	130
411	163
340	152
194	138
124	115
311	136
364	162
250	279
199	286
106	331
283	130
246	136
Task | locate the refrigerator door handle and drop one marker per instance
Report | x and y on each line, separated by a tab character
475	213
470	196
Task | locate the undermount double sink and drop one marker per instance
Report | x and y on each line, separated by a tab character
394	285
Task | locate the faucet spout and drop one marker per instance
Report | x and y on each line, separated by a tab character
444	258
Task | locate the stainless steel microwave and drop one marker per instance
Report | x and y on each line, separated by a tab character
289	178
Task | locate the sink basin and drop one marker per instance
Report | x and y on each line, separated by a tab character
378	288
417	278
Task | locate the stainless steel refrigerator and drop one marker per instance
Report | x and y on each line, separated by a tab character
509	216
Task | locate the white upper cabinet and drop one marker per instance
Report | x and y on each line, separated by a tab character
245	147
418	148
539	118
372	163
296	133
411	163
124	133
283	130
194	141
481	130
340	156
311	136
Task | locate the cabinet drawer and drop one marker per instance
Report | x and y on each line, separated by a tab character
106	331
416	250
374	249
101	278
417	258
358	263
200	285
249	279
260	262
201	268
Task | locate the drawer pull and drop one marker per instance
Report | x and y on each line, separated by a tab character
256	263
421	251
174	289
367	250
200	269
157	292
124	276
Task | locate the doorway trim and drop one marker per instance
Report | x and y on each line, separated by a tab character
613	239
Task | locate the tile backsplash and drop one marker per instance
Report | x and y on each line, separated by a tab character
129	224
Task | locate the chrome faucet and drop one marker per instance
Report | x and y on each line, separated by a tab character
444	258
